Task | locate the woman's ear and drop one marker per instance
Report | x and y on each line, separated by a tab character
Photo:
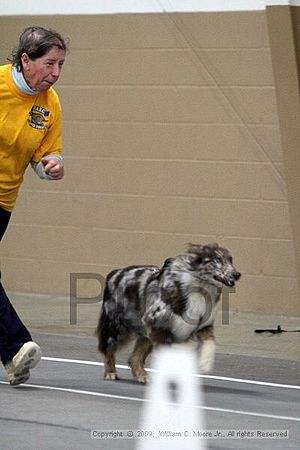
25	60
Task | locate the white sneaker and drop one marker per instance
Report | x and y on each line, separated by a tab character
18	368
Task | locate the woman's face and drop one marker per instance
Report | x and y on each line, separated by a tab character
41	73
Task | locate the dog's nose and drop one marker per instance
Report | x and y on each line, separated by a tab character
237	275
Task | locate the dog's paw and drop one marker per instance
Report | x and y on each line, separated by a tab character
156	313
138	371
111	376
206	365
144	379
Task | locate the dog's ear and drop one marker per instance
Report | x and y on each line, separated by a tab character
213	246
202	252
194	248
167	263
196	253
200	249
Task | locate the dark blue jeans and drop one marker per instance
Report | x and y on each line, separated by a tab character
13	333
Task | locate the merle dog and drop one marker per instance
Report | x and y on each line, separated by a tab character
175	303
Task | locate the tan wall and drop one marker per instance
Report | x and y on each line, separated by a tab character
171	135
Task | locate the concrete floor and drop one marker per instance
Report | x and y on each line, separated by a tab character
254	386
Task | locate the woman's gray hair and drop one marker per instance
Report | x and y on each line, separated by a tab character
36	42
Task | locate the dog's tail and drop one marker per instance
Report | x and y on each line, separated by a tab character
107	329
116	323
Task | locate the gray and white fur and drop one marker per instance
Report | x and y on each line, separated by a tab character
172	304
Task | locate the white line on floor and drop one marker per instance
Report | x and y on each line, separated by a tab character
135	399
212	377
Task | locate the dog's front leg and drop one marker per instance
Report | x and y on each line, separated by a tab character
206	349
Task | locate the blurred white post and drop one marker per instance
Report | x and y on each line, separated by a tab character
170	414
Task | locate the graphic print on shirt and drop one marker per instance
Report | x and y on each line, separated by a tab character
38	117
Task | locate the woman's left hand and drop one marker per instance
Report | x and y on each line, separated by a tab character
54	168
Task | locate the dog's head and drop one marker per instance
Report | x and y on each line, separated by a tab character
212	264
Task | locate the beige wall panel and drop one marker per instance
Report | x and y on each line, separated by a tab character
278	258
18	273
250	67
140	104
285	59
271	257
123	31
215	220
92	246
281	170
134	67
265	257
169	178
223	30
211	218
202	105
207	142
267	295
295	16
236	67
100	31
132	31
5	54
253	105
267	138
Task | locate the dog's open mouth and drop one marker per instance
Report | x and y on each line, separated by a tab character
227	281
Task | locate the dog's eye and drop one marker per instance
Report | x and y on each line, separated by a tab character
218	259
199	260
206	260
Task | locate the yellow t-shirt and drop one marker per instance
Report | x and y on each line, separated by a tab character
30	128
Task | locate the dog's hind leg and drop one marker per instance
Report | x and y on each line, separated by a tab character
206	349
142	349
107	345
110	372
